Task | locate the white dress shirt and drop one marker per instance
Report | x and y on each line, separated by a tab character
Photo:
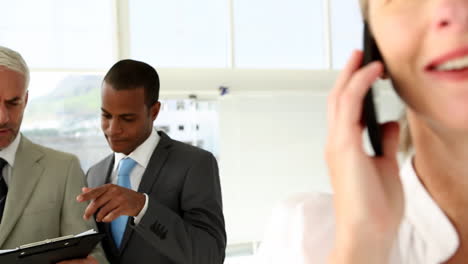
302	229
141	155
9	155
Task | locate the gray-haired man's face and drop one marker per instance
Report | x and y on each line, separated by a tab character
13	100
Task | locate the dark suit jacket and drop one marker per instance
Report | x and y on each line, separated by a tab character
184	222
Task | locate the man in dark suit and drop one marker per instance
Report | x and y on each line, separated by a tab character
157	199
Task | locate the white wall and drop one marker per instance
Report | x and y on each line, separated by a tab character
272	134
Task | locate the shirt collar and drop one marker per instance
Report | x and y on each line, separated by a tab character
9	153
428	219
142	153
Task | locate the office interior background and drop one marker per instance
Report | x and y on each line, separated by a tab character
244	79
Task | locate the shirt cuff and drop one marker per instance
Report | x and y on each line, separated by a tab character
137	219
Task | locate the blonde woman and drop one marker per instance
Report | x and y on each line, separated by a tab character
418	215
383	212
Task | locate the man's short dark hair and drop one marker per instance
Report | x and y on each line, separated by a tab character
132	74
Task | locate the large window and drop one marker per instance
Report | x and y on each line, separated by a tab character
279	34
180	33
60	34
346	30
55	34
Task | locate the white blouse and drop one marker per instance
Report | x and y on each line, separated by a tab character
302	229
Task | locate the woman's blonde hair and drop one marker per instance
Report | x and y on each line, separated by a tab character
406	144
363	4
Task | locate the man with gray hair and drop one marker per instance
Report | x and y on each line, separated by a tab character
38	185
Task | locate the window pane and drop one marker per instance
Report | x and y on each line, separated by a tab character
179	33
346	30
279	34
64	113
59	34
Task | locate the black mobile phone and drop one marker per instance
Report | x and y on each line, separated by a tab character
369	114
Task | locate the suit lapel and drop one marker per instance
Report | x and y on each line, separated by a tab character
26	173
102	174
152	172
155	164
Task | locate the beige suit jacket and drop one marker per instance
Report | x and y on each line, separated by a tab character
41	201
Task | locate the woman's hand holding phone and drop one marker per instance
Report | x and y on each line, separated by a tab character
368	193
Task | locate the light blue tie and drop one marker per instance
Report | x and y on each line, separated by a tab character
123	179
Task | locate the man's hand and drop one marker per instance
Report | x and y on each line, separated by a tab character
88	260
111	201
